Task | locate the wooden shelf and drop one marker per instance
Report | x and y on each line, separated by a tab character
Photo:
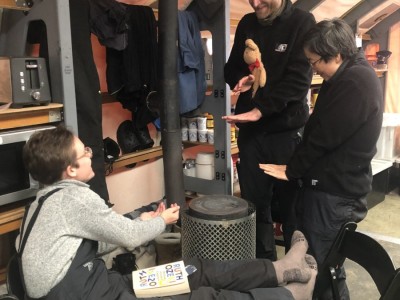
380	73
28	116
157	152
11	216
138	156
188	144
316	80
234	148
14	4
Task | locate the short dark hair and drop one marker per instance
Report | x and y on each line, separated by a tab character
48	153
329	38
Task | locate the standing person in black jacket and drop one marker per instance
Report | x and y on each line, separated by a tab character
333	162
271	122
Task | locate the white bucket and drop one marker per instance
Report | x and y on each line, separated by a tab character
205	165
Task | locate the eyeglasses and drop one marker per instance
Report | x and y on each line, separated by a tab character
88	152
314	62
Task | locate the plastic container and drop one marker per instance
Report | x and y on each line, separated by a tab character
210	136
192	123
192	135
205	165
210	121
202	123
233	134
202	135
185	133
387	148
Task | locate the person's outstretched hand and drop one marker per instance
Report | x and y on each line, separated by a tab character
277	171
250	116
152	214
243	85
171	215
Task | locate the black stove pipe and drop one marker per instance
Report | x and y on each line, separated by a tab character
169	98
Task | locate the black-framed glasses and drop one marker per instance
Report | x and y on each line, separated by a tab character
314	62
88	152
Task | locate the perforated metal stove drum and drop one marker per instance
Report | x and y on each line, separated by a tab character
219	227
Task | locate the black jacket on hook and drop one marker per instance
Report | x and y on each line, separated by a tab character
132	68
108	21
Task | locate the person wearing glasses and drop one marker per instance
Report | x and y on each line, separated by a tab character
333	162
69	227
270	124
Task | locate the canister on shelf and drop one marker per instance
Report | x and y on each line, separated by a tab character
202	136
210	121
210	136
192	135
185	133
201	123
205	165
233	134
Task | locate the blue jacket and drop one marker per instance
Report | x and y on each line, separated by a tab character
191	68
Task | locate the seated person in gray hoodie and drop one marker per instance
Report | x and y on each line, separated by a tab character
69	227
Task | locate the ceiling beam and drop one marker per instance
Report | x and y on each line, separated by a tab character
359	11
307	5
384	26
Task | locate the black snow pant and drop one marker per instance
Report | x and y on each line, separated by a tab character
321	215
265	191
88	278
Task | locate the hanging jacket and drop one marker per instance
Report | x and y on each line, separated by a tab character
108	21
132	73
191	68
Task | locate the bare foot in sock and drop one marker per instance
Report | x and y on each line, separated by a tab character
304	291
293	266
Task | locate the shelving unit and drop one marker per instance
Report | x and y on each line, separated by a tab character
156	152
138	156
217	103
30	116
56	17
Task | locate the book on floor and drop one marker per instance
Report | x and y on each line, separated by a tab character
163	280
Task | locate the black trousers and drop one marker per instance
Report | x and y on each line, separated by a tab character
88	278
233	280
321	216
264	191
